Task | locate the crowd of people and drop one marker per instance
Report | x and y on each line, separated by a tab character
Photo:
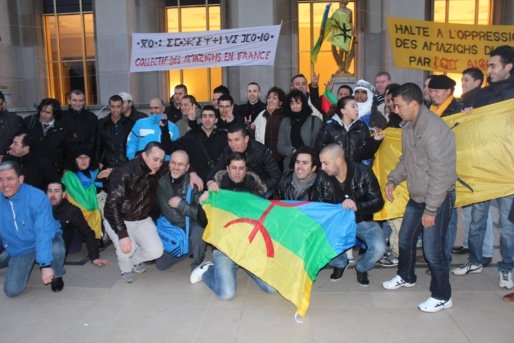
294	146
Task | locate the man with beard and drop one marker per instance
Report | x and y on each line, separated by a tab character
72	220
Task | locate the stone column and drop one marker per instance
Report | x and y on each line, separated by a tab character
22	67
115	21
248	13
374	45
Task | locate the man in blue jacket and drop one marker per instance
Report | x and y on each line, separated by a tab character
29	232
155	128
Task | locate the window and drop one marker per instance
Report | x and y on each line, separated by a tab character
70	48
310	14
476	12
187	16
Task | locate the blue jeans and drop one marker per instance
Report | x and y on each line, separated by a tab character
488	245
371	234
450	236
477	228
4	259
20	267
434	245
222	278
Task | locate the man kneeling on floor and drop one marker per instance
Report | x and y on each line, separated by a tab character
354	186
221	274
171	195
29	233
127	211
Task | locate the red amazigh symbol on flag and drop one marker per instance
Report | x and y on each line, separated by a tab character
258	224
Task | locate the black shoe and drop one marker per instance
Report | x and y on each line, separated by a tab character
486	261
338	273
57	284
362	278
460	250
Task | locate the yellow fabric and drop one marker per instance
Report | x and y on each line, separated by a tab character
341	33
444	47
93	218
441	108
285	272
485	157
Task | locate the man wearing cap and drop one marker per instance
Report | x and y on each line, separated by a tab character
128	109
440	89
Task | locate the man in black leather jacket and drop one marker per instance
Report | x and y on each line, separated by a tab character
355	187
130	200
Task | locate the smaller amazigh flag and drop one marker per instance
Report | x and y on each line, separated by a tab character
284	243
85	199
322	31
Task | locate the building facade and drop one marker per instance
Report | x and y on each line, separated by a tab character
49	47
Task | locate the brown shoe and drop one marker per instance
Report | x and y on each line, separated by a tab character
509	297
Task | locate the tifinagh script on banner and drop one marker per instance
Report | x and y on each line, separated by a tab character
233	47
444	47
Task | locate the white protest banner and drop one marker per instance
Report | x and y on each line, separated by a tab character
234	47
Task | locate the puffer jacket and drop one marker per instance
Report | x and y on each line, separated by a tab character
357	143
177	216
362	188
131	195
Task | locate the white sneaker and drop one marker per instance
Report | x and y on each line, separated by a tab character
435	305
506	280
396	283
467	268
197	273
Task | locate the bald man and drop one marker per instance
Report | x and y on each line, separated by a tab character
171	197
155	128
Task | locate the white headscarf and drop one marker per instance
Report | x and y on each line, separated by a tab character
364	107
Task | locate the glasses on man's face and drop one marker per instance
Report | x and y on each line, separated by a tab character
9	179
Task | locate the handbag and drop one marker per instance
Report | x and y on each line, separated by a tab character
175	240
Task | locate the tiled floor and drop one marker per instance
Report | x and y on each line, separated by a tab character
95	306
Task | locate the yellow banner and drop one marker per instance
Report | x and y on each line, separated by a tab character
451	48
485	157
